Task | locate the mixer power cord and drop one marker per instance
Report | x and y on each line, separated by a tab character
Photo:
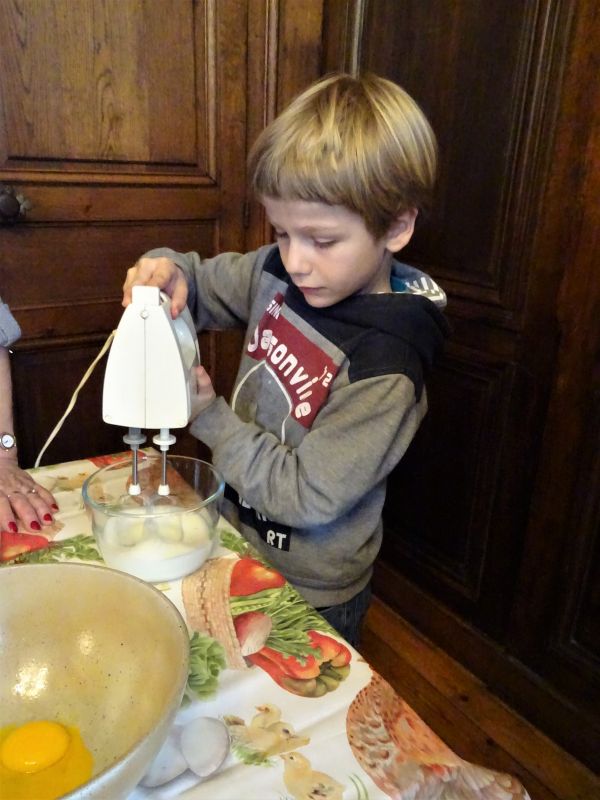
73	399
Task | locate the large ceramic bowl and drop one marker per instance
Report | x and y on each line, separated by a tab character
156	537
94	649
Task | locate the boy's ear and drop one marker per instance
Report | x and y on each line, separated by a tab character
401	230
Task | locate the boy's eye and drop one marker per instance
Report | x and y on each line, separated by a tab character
323	244
280	234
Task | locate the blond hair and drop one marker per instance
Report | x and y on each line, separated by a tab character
362	143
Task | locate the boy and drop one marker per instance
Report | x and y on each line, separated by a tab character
330	388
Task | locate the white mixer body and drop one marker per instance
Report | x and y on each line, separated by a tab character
148	379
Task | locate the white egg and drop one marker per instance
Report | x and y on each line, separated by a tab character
169	528
195	529
124	532
205	744
168	764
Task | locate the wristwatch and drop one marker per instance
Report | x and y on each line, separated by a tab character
7	441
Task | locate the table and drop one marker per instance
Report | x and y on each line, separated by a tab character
317	725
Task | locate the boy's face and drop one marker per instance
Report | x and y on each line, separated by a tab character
328	252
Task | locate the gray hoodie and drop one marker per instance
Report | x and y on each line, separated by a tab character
325	403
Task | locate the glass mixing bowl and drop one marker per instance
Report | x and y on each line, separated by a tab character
156	538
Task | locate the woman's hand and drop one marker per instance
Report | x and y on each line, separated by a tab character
21	498
204	393
161	272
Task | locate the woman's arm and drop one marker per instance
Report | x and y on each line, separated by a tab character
20	496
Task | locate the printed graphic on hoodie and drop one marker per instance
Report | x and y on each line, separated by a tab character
301	369
302	374
275	534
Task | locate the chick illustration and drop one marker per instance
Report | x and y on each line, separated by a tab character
288	738
403	756
266	735
256	739
305	783
267	715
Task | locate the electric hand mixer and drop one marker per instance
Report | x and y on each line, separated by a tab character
156	532
149	381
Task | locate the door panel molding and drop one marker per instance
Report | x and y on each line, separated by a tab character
438	515
104	100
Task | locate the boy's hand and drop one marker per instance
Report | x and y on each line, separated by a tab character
204	394
161	272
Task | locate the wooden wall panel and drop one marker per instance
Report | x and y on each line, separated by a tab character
113	111
438	514
570	649
484	93
126	126
285	60
482	77
38	407
98	96
66	279
299	52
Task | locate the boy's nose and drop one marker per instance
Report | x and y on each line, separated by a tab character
296	262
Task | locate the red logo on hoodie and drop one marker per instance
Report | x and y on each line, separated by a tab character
304	370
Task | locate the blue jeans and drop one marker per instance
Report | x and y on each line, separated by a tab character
347	618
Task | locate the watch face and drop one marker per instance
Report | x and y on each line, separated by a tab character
7	440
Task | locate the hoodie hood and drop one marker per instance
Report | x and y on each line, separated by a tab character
399	331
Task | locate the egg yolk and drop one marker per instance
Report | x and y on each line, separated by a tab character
34	746
42	760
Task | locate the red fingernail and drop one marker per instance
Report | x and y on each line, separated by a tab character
35	526
47	518
54	506
12	527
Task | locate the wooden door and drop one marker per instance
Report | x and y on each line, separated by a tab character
491	520
125	125
485	88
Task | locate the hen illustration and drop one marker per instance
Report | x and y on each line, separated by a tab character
305	783
406	759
